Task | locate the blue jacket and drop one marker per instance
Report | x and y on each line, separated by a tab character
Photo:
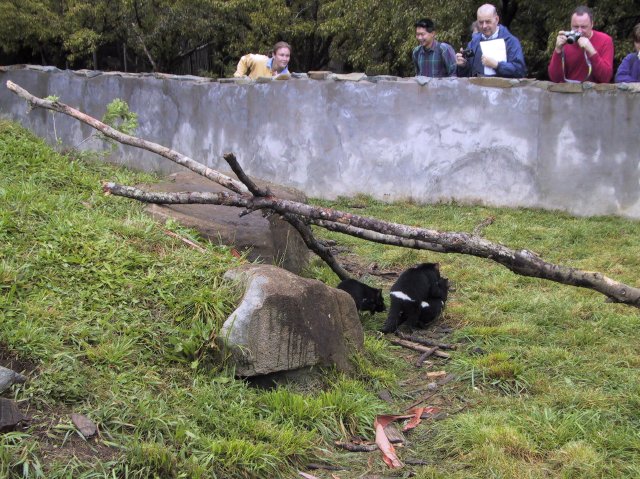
514	67
629	69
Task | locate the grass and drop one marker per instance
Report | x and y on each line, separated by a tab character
117	319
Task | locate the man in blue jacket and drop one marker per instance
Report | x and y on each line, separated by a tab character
474	63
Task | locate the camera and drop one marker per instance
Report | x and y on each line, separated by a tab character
572	37
468	53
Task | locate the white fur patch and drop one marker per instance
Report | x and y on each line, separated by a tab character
400	295
424	304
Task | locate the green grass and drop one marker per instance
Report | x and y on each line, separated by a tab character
119	318
556	393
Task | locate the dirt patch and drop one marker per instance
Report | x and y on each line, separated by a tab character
51	426
12	360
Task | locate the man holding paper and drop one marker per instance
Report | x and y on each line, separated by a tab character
493	51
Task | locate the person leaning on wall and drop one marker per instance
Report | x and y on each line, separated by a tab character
475	63
629	69
582	54
277	65
432	58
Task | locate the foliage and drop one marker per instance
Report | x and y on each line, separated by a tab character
366	35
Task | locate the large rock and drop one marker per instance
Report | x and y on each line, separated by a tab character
289	323
8	378
269	240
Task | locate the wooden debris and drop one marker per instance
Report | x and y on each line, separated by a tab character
327	467
394	436
426	341
424	356
436	374
418	347
349	446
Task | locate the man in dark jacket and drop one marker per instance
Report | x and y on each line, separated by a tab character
475	63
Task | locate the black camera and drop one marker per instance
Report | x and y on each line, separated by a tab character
572	37
468	53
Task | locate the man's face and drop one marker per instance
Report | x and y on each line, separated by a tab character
281	58
424	37
487	22
582	24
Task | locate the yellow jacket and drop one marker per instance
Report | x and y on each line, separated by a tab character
255	66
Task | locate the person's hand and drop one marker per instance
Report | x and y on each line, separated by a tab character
561	40
489	62
460	60
586	45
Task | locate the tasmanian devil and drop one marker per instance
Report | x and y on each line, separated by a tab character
366	298
417	297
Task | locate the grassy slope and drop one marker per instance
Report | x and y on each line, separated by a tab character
118	316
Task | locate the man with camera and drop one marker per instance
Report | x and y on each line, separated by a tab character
508	59
432	58
582	54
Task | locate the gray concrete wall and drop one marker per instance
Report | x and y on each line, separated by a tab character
490	141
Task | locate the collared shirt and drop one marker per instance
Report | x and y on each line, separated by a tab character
492	37
437	61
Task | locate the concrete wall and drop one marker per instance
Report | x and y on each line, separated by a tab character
490	141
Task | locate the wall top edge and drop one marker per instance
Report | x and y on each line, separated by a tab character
327	76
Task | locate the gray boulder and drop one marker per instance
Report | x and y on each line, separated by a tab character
8	378
288	323
269	240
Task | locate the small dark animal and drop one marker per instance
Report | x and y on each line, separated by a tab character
435	303
366	298
417	297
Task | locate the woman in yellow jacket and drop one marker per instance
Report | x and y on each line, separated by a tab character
254	65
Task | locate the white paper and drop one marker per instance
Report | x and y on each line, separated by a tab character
495	49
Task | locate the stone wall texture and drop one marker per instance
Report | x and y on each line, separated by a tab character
481	141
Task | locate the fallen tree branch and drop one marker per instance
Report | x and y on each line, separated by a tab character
357	447
425	341
419	347
522	261
423	357
303	229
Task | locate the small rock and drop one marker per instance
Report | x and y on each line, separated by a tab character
10	415
86	427
432	386
319	75
385	395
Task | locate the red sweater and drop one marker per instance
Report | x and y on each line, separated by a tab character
575	65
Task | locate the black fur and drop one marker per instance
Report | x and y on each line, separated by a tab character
422	283
436	303
366	298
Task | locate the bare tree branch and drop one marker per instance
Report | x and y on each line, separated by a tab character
304	229
523	262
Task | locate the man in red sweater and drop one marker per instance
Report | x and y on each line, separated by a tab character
587	58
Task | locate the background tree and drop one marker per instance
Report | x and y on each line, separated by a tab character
209	36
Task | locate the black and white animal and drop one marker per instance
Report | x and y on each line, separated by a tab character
417	297
366	298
